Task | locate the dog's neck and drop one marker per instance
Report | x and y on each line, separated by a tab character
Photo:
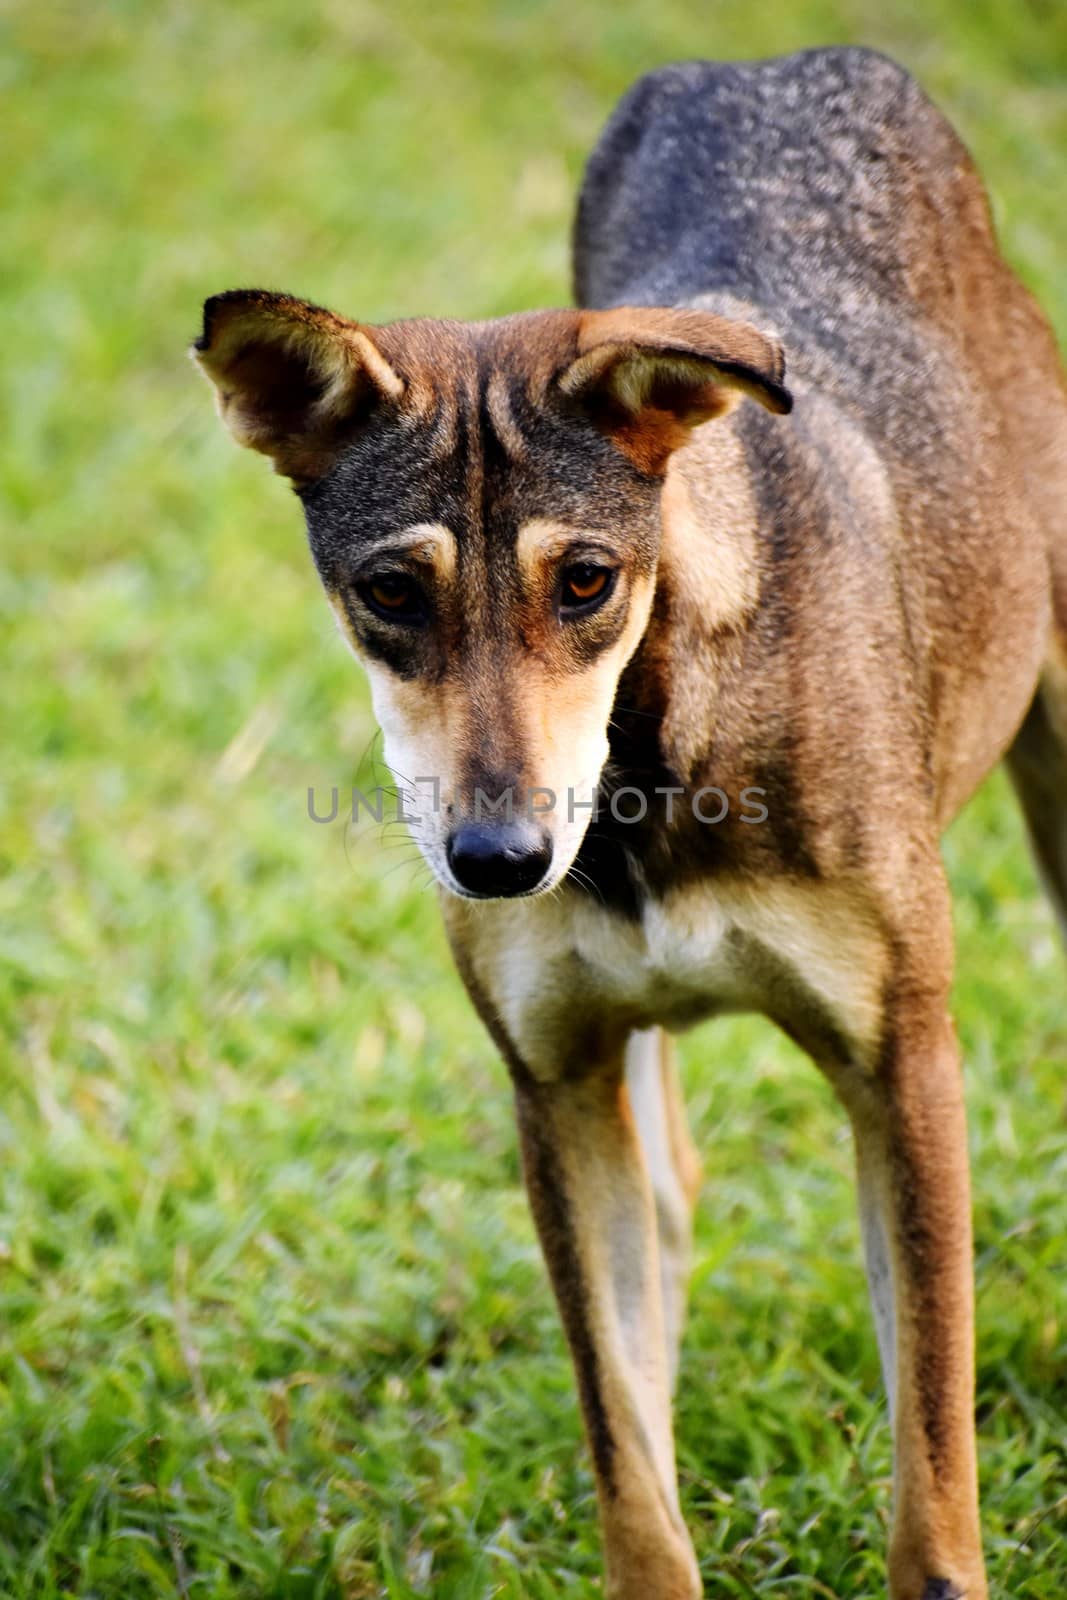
707	599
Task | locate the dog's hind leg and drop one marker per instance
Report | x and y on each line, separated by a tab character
1037	762
673	1166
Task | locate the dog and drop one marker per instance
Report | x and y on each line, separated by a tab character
606	551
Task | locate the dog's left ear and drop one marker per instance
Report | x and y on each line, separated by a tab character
647	376
291	379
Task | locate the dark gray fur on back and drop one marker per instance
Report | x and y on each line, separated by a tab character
808	185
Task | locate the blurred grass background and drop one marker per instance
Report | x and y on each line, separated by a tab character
273	1320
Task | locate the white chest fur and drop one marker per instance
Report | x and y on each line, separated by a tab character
680	957
702	950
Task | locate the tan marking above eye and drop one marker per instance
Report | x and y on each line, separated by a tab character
541	540
542	544
430	543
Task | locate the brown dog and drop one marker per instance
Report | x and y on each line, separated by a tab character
577	570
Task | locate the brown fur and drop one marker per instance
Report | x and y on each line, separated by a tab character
852	612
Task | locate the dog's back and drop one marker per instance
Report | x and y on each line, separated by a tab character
823	196
822	187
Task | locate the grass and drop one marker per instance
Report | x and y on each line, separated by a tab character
274	1322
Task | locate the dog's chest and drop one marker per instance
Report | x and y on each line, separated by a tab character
806	956
680	961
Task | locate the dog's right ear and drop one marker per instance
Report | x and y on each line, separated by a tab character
290	378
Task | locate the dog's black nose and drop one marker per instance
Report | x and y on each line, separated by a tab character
495	859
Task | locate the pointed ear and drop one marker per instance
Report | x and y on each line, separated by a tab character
289	377
648	376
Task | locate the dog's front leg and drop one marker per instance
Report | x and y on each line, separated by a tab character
911	1146
592	1203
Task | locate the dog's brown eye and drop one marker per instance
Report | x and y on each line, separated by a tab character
395	596
392	593
585	585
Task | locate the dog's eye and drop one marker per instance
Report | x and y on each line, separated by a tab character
395	597
584	587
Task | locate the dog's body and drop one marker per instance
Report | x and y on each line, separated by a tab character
849	614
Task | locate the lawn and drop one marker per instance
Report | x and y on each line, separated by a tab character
273	1318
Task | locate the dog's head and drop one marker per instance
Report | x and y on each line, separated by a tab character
483	507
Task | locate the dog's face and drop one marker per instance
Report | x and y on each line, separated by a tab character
483	507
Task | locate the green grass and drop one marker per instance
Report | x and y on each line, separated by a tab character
273	1318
